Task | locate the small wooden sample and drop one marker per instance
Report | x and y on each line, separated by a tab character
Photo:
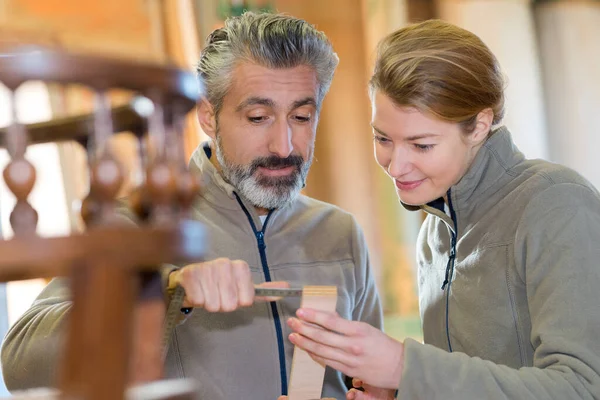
306	377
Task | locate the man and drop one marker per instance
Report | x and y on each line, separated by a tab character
266	77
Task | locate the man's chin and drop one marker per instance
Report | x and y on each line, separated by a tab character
267	196
273	203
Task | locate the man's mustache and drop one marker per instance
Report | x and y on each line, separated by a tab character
274	162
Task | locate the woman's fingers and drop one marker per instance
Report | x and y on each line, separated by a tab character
330	321
327	353
327	337
317	334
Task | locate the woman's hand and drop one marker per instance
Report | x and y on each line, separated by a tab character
370	392
286	398
354	348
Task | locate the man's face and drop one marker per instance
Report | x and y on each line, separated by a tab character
265	132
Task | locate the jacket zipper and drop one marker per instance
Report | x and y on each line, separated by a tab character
450	268
260	240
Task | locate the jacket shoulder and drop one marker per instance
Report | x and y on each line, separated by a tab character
307	206
554	181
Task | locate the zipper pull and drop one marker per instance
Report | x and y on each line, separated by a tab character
260	237
447	276
450	260
445	281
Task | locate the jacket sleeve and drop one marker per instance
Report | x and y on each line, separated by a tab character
557	253
32	346
367	306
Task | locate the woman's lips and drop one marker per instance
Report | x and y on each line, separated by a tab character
408	185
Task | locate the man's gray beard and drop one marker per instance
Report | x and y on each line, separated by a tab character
265	192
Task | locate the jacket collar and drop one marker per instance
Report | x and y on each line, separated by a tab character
495	158
214	188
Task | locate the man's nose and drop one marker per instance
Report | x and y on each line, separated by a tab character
280	143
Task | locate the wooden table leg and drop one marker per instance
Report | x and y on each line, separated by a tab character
99	333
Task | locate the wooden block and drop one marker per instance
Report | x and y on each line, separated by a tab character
306	377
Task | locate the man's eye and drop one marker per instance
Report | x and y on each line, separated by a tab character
256	120
302	118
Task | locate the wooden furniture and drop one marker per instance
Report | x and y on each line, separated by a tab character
115	323
306	378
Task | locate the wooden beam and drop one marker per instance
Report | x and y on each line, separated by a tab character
421	10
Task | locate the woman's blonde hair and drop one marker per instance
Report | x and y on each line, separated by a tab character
440	69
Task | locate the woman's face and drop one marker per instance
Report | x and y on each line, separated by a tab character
423	155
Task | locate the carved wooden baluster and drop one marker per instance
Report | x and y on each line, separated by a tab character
161	176
139	201
153	202
188	184
103	291
19	176
146	361
106	175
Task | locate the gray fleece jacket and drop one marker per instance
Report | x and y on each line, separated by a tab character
518	256
244	354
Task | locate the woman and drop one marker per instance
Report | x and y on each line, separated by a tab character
508	256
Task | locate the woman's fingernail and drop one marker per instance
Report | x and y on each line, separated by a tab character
301	313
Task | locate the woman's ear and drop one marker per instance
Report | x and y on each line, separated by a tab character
207	118
483	125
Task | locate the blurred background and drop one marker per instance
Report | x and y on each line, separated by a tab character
549	50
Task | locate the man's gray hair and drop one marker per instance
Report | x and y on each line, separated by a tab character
270	40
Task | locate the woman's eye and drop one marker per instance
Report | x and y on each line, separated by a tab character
424	147
381	139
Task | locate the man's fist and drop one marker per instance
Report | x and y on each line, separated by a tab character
218	285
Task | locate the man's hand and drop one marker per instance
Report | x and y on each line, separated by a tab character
218	285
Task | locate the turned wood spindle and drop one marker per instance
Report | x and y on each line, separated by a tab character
106	175
139	200
20	176
161	184
188	184
161	174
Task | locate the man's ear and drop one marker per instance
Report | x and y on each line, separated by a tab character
483	125
207	118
